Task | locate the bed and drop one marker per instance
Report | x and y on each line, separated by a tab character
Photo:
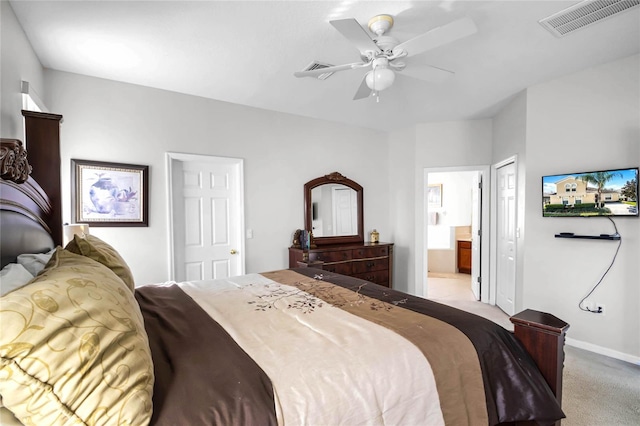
81	344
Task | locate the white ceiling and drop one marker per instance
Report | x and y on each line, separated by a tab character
246	52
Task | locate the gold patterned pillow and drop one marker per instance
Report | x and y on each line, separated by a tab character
96	249
74	349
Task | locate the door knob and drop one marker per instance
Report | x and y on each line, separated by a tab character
233	251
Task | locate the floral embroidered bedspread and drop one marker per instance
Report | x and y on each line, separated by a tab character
326	349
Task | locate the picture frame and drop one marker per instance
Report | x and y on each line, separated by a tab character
109	194
434	195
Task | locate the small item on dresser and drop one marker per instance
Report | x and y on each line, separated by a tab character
296	238
303	239
307	240
374	236
310	243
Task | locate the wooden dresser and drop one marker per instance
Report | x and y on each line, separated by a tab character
368	261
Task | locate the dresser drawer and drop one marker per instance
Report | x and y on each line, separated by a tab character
331	256
378	277
368	265
365	252
367	261
338	268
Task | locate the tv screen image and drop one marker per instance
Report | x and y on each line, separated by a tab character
600	193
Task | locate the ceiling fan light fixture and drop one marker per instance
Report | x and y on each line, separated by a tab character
381	77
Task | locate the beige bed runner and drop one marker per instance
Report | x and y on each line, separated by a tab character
457	373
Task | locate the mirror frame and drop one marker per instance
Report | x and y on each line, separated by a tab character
334	177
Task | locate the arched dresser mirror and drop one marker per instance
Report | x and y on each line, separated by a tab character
333	212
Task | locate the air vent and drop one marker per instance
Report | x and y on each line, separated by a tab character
584	14
315	65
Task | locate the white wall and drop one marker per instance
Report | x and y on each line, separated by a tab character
117	122
18	62
402	187
449	144
585	121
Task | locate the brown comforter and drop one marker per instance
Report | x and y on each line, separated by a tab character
482	374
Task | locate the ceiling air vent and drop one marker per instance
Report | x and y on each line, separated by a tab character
583	14
315	65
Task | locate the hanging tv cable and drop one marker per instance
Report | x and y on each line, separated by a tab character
598	311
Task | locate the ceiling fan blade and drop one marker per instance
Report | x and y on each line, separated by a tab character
438	37
318	71
363	91
351	29
427	73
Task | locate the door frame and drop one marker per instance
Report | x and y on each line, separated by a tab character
183	157
493	270
485	268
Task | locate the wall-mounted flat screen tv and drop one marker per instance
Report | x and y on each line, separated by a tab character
588	194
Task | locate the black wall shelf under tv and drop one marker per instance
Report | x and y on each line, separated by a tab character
588	237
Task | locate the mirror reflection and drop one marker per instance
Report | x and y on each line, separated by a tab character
334	210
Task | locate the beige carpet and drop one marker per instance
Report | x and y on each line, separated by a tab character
597	390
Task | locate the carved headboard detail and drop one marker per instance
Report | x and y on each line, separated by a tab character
13	161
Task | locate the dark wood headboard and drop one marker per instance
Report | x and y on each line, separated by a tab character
42	131
30	209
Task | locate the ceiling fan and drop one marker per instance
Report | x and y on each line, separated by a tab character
384	54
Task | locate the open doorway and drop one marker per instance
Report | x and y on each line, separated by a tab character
455	211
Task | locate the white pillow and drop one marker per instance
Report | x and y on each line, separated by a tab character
13	276
35	262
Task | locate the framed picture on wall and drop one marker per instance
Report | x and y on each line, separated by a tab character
109	194
434	195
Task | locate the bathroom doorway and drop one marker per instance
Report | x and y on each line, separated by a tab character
455	211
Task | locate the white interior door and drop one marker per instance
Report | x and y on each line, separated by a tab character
344	211
476	230
506	238
207	217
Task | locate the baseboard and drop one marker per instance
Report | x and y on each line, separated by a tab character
603	351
